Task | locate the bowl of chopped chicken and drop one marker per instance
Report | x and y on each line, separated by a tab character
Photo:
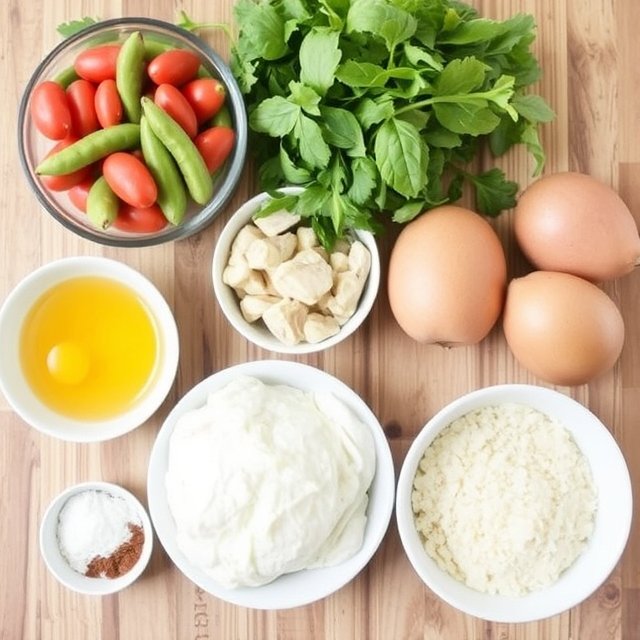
282	289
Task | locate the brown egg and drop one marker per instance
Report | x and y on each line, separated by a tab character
562	328
573	223
447	277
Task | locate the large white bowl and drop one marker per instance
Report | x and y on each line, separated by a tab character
613	518
58	565
302	587
14	385
257	332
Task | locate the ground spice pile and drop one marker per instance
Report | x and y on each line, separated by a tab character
100	535
121	560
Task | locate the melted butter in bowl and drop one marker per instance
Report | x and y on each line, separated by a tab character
89	351
89	348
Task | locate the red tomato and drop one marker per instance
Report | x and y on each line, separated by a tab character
130	179
50	110
140	220
206	96
215	145
168	98
68	180
81	96
108	104
175	67
78	194
98	63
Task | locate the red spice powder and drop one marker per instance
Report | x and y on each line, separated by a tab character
121	560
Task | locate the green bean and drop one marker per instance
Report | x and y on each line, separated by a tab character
172	195
154	47
222	118
203	72
65	77
92	147
181	147
102	204
129	75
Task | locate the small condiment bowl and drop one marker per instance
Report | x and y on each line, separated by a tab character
257	332
612	520
32	146
14	384
58	565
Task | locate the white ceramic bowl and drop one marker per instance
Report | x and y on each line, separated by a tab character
256	332
302	587
14	384
612	524
58	565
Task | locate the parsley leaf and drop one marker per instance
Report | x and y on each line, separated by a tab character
276	116
493	191
319	59
261	25
384	105
313	149
392	24
72	27
401	156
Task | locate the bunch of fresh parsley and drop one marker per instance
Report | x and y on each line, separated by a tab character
381	105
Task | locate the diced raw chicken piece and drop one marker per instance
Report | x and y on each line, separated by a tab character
306	277
276	222
285	320
319	327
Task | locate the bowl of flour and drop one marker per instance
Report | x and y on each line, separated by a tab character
514	503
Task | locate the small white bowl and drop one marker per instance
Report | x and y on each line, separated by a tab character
302	587
14	384
612	524
256	332
58	565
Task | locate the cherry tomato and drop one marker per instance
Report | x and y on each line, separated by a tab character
50	110
169	99
67	180
78	194
81	96
214	145
130	179
98	63
175	67
108	104
140	220
206	96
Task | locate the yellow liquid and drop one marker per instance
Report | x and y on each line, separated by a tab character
89	348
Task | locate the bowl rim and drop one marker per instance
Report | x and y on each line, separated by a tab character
234	169
566	592
255	332
56	563
290	590
13	312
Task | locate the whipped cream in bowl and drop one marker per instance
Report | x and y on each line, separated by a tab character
271	484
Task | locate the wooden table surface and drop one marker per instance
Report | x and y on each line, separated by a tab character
592	79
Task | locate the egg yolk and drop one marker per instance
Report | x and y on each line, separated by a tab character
68	363
89	348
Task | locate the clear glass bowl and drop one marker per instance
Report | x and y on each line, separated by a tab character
33	146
